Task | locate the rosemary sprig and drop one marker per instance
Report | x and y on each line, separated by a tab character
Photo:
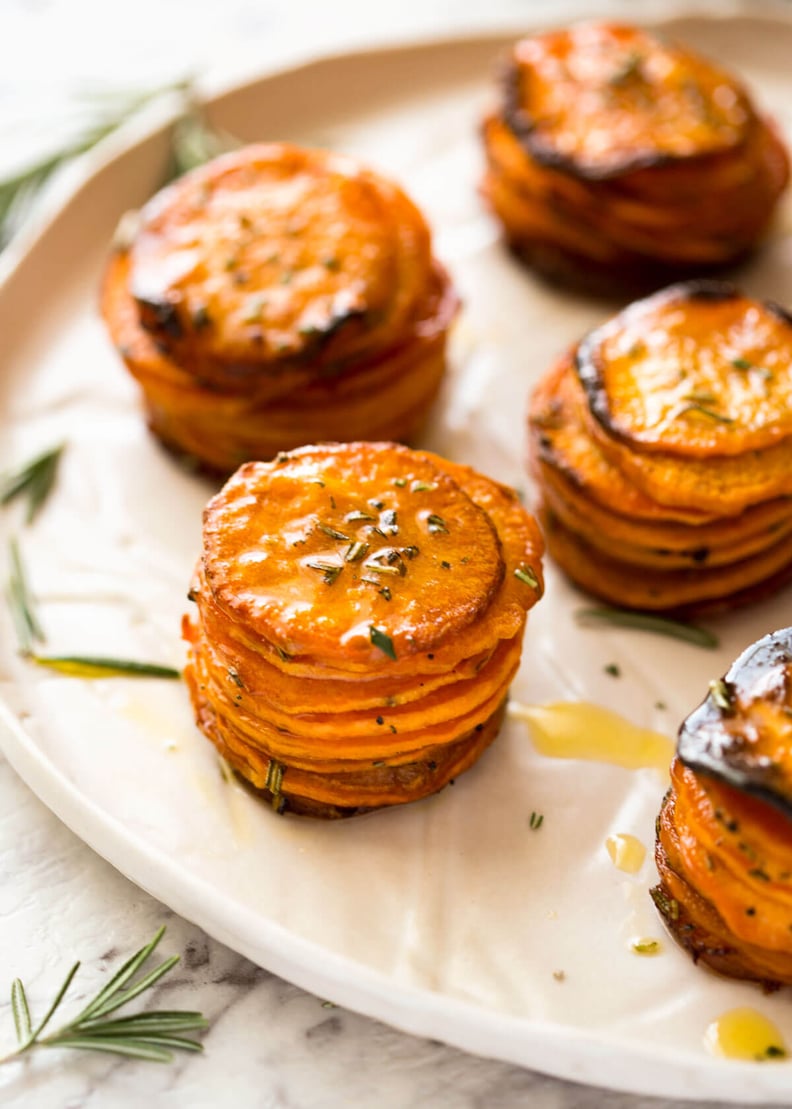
34	480
646	621
88	666
20	602
29	631
147	1035
18	191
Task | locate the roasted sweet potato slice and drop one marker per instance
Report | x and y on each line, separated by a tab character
686	592
385	397
360	614
617	162
274	253
600	100
724	847
698	370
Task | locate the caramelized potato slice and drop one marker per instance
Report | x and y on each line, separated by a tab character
601	100
697	370
350	552
684	592
742	733
276	254
559	439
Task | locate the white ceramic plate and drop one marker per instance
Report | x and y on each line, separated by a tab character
447	918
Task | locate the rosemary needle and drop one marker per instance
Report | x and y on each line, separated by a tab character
646	621
34	480
29	631
151	1035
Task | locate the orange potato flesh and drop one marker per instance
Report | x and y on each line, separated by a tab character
724	837
685	592
601	98
266	251
285	671
695	371
279	296
618	162
386	398
609	535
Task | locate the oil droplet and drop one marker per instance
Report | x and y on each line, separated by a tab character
745	1034
644	946
579	730
627	853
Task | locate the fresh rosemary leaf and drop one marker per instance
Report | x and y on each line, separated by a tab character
646	621
19	1006
148	1035
18	191
34	480
21	603
380	639
527	575
58	998
136	1049
77	666
193	143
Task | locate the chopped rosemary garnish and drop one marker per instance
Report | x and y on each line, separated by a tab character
628	69
21	603
645	947
356	551
436	524
536	821
330	570
274	778
400	482
423	486
613	669
333	533
284	656
646	621
704	411
741	364
722	694
409	552
78	666
357	516
384	591
380	639
389	522
34	480
526	574
394	571
701	398
147	1035
233	675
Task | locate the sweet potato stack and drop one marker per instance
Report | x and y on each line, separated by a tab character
279	296
724	835
662	446
617	162
360	618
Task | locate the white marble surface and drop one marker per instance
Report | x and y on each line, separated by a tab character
269	1044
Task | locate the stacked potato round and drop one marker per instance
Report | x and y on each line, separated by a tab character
724	835
618	162
360	617
663	449
278	296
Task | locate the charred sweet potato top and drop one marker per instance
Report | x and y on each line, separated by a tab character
600	100
276	253
696	370
369	553
742	733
